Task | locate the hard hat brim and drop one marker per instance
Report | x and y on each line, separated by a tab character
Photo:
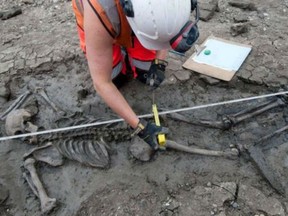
152	45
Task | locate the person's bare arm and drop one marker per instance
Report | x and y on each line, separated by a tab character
99	50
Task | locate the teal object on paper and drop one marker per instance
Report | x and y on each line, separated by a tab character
207	52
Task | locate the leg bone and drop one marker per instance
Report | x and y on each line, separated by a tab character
230	120
30	183
271	135
47	203
231	154
204	123
249	113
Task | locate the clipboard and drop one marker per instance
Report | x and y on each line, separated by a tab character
218	58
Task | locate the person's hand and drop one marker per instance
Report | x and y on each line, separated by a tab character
155	75
148	132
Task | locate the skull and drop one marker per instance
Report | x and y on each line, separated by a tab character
17	122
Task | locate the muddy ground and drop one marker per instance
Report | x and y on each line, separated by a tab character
39	48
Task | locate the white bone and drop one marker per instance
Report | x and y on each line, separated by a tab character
42	93
15	121
29	127
17	103
47	203
231	154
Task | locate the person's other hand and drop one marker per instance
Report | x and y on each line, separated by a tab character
156	73
148	132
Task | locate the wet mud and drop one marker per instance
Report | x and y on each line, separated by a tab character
39	49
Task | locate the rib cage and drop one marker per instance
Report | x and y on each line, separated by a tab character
89	152
87	145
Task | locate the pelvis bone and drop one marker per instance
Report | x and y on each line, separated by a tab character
47	154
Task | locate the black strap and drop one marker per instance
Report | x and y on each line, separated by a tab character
127	7
193	4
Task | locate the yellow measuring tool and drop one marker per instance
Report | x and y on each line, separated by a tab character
161	137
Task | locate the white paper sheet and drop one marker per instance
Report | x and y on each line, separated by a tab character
223	55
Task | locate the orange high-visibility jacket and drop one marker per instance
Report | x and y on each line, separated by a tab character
115	21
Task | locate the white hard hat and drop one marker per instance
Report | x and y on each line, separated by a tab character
156	22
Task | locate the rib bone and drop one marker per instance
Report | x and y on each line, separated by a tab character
230	154
91	152
47	203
